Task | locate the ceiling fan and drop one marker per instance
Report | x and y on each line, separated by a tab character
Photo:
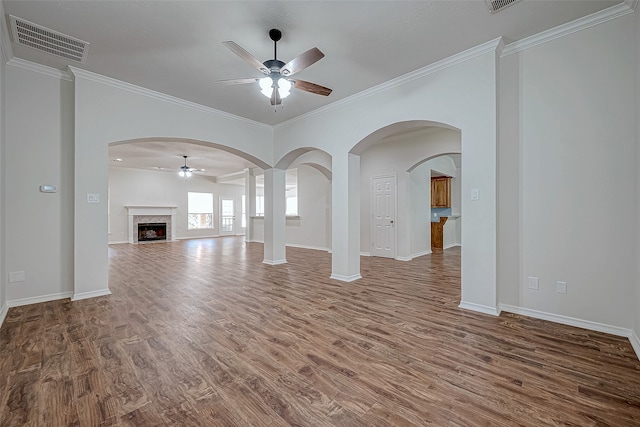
185	171
278	82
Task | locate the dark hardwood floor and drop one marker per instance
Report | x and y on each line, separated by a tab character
201	333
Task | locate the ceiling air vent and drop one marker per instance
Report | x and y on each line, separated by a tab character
497	5
37	37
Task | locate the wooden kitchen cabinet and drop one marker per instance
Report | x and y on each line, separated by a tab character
437	233
441	192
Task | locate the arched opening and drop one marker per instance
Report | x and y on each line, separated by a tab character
393	158
395	186
149	201
307	203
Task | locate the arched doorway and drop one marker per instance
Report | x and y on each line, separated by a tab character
145	192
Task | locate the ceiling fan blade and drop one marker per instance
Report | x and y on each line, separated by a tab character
236	81
302	61
310	87
275	97
246	56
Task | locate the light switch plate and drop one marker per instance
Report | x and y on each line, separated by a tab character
93	198
534	283
475	194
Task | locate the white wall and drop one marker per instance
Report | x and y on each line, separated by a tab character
397	155
3	181
576	153
38	225
130	187
509	209
420	204
636	309
313	227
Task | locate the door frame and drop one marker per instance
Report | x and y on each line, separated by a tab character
395	212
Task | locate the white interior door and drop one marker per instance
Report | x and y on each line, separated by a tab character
227	217
383	227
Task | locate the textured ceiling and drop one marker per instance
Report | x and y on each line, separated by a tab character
175	47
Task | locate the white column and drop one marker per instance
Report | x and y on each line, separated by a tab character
274	217
250	200
404	218
345	219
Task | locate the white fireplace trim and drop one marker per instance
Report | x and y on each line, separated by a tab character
133	211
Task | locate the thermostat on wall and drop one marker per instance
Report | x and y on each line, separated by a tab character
48	189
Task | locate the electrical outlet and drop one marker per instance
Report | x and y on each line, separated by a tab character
534	283
561	287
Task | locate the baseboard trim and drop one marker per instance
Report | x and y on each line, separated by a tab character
120	242
413	256
92	294
365	253
423	253
3	312
635	342
274	262
314	248
38	299
566	320
479	308
342	278
452	245
208	236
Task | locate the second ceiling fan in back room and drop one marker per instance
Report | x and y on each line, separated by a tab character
277	81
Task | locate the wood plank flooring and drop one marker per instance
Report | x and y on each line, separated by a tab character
201	333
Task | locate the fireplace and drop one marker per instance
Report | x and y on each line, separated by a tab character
145	215
152	231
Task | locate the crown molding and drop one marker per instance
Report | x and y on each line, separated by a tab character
41	69
500	47
469	54
613	12
118	84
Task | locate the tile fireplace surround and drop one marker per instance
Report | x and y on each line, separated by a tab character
142	214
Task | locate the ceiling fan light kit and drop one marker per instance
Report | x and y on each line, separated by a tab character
185	171
269	84
277	84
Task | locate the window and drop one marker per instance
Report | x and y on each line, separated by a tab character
200	206
291	200
292	206
259	205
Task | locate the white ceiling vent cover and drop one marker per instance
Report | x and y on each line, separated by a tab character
496	5
38	37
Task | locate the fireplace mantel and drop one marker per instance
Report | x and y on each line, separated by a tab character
151	210
141	210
